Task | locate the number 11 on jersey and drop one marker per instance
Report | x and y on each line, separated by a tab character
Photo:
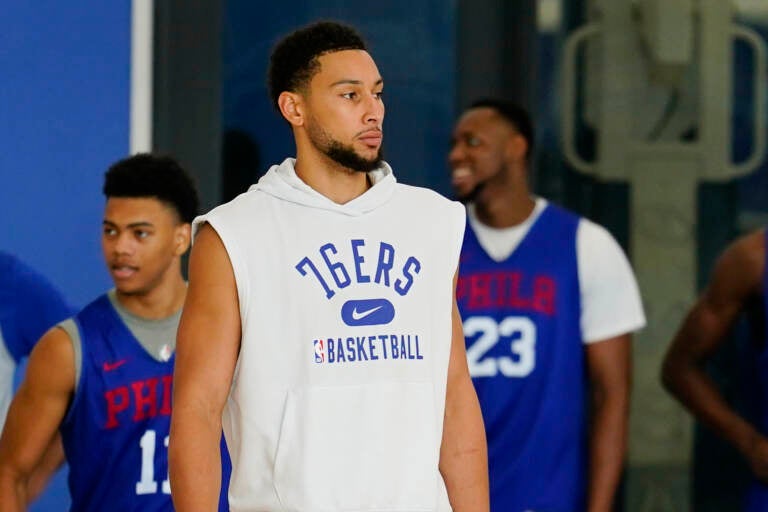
148	484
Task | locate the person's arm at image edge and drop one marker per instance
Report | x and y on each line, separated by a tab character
737	278
206	353
40	307
51	461
35	414
609	369
611	311
463	452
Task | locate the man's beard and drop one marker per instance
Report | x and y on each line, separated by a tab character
347	157
342	154
470	196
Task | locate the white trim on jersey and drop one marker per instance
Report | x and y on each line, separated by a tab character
7	369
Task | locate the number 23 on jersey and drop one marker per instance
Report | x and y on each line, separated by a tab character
516	332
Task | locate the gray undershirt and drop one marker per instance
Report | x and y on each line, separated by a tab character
158	337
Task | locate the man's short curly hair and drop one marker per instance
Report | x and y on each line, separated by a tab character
514	114
293	62
153	176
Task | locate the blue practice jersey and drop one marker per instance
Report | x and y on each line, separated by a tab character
521	322
29	306
116	431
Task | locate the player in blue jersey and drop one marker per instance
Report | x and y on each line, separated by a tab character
737	286
103	378
548	303
29	306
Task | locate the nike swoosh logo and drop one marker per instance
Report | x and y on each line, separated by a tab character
357	312
359	315
108	367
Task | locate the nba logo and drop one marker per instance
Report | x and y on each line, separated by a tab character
319	351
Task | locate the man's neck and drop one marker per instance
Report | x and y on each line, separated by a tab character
339	184
504	206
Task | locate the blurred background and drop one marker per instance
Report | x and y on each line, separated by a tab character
650	119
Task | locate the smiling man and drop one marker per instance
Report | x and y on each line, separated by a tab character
103	378
320	320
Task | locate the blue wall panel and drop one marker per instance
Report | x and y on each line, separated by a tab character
64	107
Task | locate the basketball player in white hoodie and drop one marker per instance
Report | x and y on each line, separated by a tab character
320	328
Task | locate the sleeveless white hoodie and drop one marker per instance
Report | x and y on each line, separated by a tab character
338	396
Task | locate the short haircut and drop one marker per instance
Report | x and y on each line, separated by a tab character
153	176
514	114
294	62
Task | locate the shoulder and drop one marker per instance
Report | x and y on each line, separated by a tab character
601	260
427	199
426	209
561	222
740	267
748	249
70	328
7	262
56	340
441	220
13	271
595	237
245	205
54	350
611	301
424	193
562	211
95	307
32	289
557	215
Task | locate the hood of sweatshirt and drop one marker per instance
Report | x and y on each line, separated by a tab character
282	182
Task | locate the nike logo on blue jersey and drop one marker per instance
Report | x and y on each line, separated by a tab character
367	312
108	367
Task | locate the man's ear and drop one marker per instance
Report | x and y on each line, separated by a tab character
517	146
292	107
183	237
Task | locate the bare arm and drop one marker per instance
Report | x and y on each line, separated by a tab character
52	460
609	369
737	278
463	453
207	348
35	414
